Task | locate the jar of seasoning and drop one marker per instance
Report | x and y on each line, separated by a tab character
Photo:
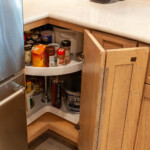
66	45
30	42
28	54
34	36
49	56
38	41
60	56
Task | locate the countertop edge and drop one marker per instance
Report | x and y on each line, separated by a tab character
86	24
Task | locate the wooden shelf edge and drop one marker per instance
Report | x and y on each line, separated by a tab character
36	24
56	22
54	123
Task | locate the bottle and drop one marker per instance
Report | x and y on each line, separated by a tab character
50	56
28	54
60	56
66	45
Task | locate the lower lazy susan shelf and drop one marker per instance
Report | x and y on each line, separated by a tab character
40	108
72	67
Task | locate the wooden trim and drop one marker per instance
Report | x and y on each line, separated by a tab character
54	123
147	79
36	24
147	91
67	25
91	92
143	132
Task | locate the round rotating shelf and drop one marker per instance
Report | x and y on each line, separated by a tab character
72	67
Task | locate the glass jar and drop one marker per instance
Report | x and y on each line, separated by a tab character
50	56
28	54
66	45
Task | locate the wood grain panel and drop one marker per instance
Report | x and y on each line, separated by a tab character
147	80
109	41
67	25
91	92
36	24
124	139
54	123
120	97
143	134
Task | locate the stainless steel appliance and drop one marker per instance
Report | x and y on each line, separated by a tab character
13	132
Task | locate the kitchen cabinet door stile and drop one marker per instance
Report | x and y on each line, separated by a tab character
91	92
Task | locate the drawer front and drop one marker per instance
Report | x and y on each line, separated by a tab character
147	80
109	41
143	134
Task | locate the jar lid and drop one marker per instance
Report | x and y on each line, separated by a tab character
34	36
28	47
50	48
30	42
61	51
66	43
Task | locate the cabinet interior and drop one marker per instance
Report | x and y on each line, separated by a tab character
43	116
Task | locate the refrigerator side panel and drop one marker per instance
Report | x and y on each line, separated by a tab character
13	125
11	38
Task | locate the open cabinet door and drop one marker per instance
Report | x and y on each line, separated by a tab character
123	96
91	92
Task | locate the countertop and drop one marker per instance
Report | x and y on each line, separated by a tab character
128	18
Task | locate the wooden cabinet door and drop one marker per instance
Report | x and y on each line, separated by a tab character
109	41
123	89
143	134
91	92
147	80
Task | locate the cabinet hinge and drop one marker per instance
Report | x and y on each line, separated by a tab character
77	126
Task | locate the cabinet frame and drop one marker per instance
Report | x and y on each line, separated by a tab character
100	139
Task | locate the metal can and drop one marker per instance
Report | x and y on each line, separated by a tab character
66	45
50	56
60	56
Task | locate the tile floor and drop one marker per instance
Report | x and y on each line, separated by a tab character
49	141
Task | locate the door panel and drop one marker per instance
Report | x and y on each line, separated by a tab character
122	81
13	131
143	134
125	80
91	92
109	41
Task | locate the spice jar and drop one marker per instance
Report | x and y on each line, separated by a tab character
50	56
28	54
57	46
30	42
60	56
66	45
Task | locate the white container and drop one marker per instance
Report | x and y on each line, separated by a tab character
76	39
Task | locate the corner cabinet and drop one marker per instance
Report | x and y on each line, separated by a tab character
143	134
111	92
112	87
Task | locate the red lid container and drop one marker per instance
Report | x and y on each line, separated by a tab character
61	51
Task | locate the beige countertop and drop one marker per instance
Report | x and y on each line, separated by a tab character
129	18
